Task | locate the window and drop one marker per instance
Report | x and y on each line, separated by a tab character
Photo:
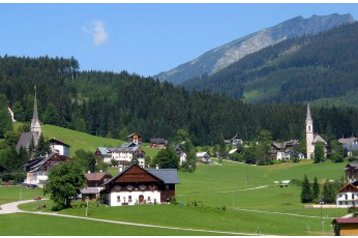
340	203
346	196
118	198
352	196
129	198
166	187
148	199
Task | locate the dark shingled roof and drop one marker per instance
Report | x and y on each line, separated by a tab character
158	141
57	142
24	140
167	175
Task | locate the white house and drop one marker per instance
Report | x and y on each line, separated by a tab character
123	154
59	147
203	157
136	185
347	196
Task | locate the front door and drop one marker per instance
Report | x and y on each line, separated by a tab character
141	199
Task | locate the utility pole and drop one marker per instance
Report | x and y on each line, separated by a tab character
86	207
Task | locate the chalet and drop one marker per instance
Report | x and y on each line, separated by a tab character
136	185
203	157
123	155
158	143
347	196
94	184
234	141
37	169
181	154
59	147
345	226
283	150
351	171
350	145
135	137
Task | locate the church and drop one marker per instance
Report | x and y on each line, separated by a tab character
35	131
312	138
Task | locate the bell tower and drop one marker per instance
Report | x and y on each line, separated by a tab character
309	134
35	123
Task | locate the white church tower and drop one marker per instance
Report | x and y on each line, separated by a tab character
35	123
309	134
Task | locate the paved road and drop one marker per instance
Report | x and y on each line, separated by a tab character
12	208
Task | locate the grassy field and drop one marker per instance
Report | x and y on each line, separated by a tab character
16	193
225	191
80	140
40	225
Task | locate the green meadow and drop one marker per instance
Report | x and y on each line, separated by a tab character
81	140
40	225
15	193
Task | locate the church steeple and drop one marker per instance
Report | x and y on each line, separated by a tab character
309	133
35	115
35	123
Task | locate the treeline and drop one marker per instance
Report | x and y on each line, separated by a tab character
293	71
109	104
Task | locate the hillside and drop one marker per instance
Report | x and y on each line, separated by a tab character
80	140
222	56
319	68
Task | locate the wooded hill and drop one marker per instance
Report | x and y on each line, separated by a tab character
321	68
114	104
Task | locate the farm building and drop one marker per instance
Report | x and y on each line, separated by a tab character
351	171
136	185
38	168
350	145
345	226
158	143
94	182
59	147
135	138
203	157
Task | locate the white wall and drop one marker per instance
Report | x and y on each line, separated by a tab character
62	150
124	197
35	178
342	201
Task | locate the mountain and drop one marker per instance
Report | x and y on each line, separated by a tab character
320	68
222	56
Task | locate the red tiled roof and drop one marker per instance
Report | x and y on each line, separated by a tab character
350	220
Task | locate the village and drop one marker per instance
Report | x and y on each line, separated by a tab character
136	182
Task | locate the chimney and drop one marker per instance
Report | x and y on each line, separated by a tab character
156	166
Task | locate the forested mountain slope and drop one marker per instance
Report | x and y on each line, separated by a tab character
220	57
321	67
111	104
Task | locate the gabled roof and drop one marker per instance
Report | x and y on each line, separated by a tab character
128	145
134	133
24	140
353	164
35	164
97	176
348	188
168	176
201	154
57	142
103	150
318	139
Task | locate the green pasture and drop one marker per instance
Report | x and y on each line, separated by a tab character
15	193
42	225
81	140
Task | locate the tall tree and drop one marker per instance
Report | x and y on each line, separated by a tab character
166	158
306	193
319	153
64	182
315	189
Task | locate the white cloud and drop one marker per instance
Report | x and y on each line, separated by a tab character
100	35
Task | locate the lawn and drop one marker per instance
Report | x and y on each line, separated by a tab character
41	225
15	193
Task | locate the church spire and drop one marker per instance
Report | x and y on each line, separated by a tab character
35	115
308	117
35	123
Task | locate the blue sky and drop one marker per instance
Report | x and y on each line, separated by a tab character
141	38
